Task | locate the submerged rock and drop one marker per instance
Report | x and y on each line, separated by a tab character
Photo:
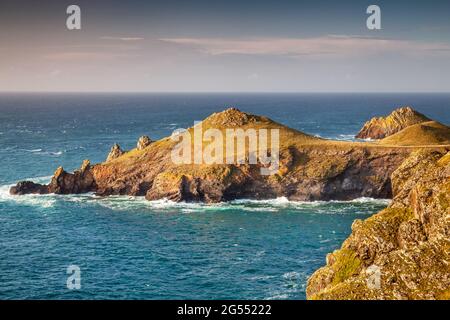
399	119
143	142
115	152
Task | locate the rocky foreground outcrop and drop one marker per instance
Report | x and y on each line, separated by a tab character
309	169
399	119
402	252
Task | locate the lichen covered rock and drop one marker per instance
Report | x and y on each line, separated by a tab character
407	243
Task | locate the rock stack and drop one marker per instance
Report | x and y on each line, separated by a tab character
143	142
115	152
399	119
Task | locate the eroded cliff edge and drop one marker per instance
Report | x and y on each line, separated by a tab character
407	244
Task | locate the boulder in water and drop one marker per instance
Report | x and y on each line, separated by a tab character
27	187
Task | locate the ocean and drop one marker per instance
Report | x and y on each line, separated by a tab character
129	248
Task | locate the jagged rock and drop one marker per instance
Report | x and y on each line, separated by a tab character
85	166
407	242
62	182
143	142
115	152
379	128
80	181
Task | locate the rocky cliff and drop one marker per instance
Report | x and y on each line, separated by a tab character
310	169
402	252
399	119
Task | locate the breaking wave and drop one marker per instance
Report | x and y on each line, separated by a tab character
124	203
40	151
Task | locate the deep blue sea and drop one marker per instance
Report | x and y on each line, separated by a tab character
130	248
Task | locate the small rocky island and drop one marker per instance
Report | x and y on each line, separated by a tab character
408	161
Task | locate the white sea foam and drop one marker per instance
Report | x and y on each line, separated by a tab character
40	151
131	202
6	196
43	201
291	275
248	205
366	140
345	137
281	296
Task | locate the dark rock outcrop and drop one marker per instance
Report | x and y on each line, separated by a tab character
80	181
407	243
399	119
62	182
28	187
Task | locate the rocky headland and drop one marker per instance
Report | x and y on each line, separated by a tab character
310	169
410	163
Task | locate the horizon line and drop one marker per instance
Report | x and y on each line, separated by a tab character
221	92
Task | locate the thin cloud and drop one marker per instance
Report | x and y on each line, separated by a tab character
123	38
332	44
86	56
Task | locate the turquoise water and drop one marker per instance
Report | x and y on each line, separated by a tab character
134	249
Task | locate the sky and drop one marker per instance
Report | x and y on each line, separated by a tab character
225	46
